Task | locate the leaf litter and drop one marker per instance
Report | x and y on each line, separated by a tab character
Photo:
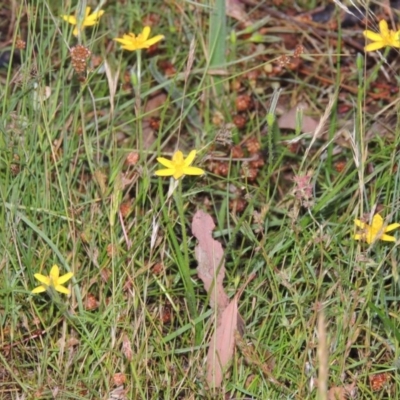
211	270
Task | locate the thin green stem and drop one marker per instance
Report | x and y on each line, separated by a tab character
138	102
182	255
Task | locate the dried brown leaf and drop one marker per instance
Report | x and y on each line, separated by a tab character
342	392
235	9
126	347
222	345
289	119
210	258
152	109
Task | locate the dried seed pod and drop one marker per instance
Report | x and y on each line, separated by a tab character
119	379
126	347
237	205
111	250
237	152
253	74
79	55
125	208
157	269
284	60
105	274
298	51
154	123
340	165
244	102
257	163
218	118
236	84
378	381
166	314
253	145
168	68
91	303
294	147
132	158
248	173
224	135
221	169
20	44
240	121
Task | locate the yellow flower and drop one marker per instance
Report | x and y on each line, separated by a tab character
178	166
371	233
131	42
385	38
54	280
88	20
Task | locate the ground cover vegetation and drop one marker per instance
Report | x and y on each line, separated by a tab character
199	199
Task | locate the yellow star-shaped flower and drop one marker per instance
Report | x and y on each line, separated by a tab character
179	166
375	231
141	41
384	38
54	280
88	20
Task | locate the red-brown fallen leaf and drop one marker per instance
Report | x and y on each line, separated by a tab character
222	344
152	109
210	258
235	9
289	120
211	270
341	392
378	381
126	347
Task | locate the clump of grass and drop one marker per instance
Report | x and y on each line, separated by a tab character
78	150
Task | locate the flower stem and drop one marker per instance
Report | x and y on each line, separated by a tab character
138	103
181	253
184	261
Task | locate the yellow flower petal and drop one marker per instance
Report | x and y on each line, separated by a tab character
193	171
94	18
39	289
374	46
165	172
42	279
65	278
392	227
153	40
377	222
145	33
376	37
190	158
178	158
388	238
383	27
71	19
61	289
54	273
88	20
370	236
178	174
167	163
359	223
124	40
